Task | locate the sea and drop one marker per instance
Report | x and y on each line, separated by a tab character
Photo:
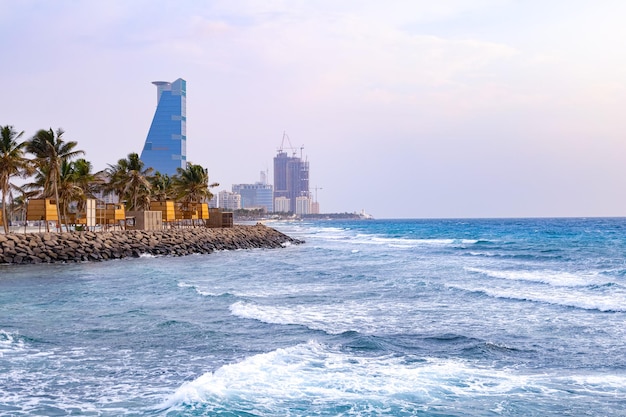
451	317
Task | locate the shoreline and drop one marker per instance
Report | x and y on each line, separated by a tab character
86	246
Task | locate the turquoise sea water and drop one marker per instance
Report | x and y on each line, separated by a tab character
522	317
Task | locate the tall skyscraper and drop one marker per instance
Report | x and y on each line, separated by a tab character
291	178
166	145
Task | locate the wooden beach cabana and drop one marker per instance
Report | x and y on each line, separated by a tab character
42	210
111	215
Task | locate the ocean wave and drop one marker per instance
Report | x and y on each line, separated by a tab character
258	290
74	381
10	343
319	378
338	234
554	278
332	318
199	291
513	255
605	301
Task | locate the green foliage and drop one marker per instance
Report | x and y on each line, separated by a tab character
192	184
162	187
55	174
13	163
128	179
51	151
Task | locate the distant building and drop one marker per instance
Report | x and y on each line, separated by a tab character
213	202
291	178
229	201
281	205
166	144
303	205
315	207
111	198
255	196
263	176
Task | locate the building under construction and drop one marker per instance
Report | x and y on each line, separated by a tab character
291	177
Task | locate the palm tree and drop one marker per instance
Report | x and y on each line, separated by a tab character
192	184
161	187
129	180
89	183
51	151
13	163
41	186
69	190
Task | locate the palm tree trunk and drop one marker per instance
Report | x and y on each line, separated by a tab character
56	199
5	223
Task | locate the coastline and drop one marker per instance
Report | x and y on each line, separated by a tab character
70	247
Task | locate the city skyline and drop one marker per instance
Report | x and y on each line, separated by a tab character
455	108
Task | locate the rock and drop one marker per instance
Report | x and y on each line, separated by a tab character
99	246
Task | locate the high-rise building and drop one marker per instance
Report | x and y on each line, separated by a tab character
291	178
166	144
254	196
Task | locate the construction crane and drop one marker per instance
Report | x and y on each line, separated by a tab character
291	147
317	188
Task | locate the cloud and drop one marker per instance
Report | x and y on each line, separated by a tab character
457	98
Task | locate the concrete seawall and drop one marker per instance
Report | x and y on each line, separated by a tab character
33	248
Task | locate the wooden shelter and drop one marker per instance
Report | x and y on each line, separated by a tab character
42	209
219	218
110	214
202	210
167	209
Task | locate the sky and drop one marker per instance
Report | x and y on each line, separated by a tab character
404	109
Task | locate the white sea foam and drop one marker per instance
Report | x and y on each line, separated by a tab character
259	288
9	343
336	234
567	297
198	290
411	242
555	278
64	382
335	318
314	373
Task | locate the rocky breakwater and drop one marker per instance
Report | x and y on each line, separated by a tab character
31	248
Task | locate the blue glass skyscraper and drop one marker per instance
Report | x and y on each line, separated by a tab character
166	145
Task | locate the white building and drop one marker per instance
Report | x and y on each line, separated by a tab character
281	205
213	203
229	201
303	205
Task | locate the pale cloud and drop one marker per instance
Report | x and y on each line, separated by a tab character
452	108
